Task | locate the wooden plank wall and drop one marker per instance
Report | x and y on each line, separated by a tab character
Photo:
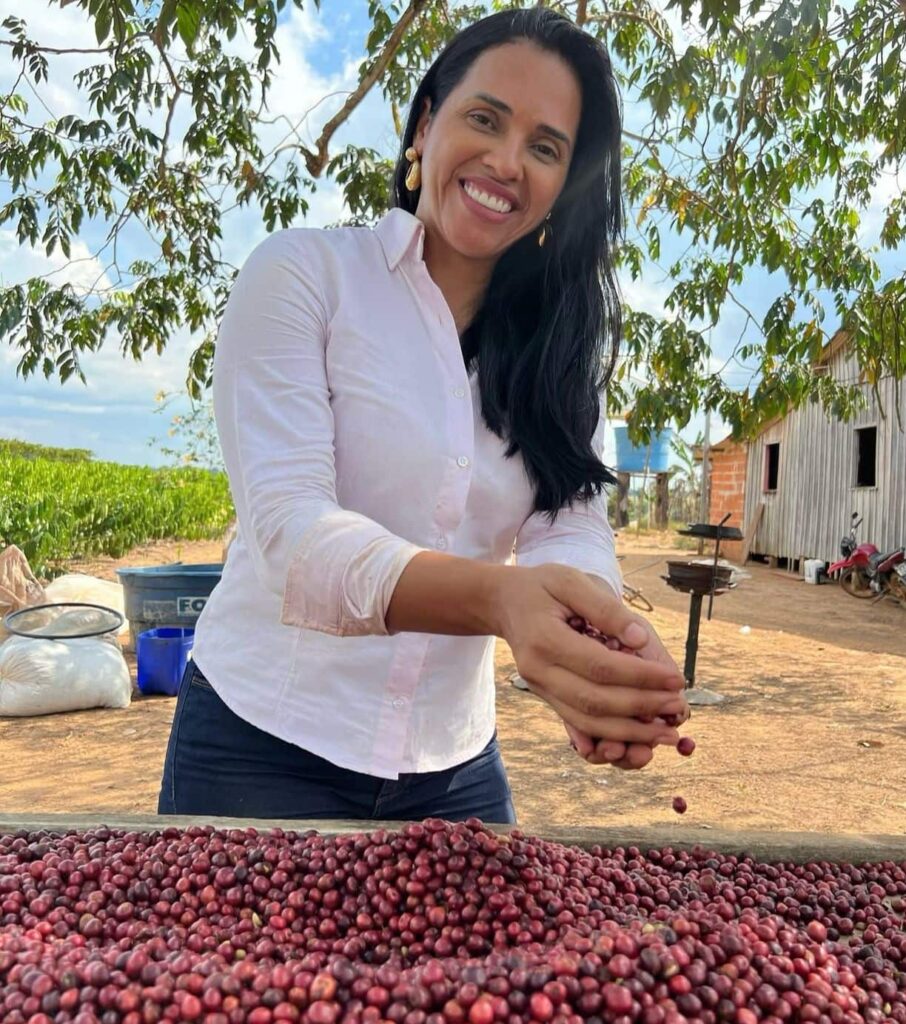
816	493
793	847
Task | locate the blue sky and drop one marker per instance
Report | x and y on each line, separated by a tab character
114	414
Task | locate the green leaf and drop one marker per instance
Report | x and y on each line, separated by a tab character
102	23
188	21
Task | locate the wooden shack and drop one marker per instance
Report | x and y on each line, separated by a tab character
793	488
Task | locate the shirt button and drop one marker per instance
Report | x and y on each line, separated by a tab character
399	702
462	461
459	392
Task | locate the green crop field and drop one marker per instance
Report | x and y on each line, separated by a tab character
59	504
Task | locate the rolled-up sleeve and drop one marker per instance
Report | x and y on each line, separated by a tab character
580	537
335	569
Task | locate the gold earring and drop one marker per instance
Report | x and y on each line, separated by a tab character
545	229
414	174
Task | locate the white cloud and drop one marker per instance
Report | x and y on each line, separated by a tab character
81	269
113	415
12	427
53	25
888	187
120	378
56	406
20	263
646	296
298	90
66	27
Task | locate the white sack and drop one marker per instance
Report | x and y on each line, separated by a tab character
42	677
85	589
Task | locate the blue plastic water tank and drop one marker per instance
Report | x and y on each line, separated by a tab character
634	460
166	595
161	657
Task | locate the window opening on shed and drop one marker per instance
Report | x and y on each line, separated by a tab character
866	456
771	466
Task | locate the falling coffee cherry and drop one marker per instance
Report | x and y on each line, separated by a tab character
685	746
679	805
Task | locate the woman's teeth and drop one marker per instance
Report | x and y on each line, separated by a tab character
494	203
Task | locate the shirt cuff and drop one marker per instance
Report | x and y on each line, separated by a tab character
342	577
577	556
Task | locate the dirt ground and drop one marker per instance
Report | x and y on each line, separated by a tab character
811	735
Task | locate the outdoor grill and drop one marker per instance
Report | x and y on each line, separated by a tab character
699	579
694	577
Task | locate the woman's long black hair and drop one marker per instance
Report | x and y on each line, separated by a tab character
547	335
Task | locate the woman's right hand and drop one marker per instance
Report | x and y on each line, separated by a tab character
596	691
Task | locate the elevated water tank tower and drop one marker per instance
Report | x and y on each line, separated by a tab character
643	460
652	458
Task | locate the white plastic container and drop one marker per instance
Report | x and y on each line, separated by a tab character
813	569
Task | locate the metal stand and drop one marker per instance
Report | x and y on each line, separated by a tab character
698	588
695	616
720	526
696	695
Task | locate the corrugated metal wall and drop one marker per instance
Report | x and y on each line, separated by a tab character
816	491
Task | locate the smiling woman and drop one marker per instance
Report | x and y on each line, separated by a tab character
401	409
517	129
492	164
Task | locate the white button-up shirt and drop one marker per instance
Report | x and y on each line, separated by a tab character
353	439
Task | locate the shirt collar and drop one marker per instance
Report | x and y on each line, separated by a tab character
400	233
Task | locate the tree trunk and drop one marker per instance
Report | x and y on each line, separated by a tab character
662	502
622	500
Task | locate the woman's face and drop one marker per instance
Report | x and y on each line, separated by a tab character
495	155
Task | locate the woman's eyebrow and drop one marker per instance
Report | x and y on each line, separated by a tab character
505	108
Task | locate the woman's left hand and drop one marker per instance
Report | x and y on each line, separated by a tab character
632	756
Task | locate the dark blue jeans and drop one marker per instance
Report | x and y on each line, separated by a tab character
219	764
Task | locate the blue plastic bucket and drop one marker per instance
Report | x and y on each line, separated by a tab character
655	456
166	595
162	655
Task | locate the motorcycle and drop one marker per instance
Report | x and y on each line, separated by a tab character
888	575
856	565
